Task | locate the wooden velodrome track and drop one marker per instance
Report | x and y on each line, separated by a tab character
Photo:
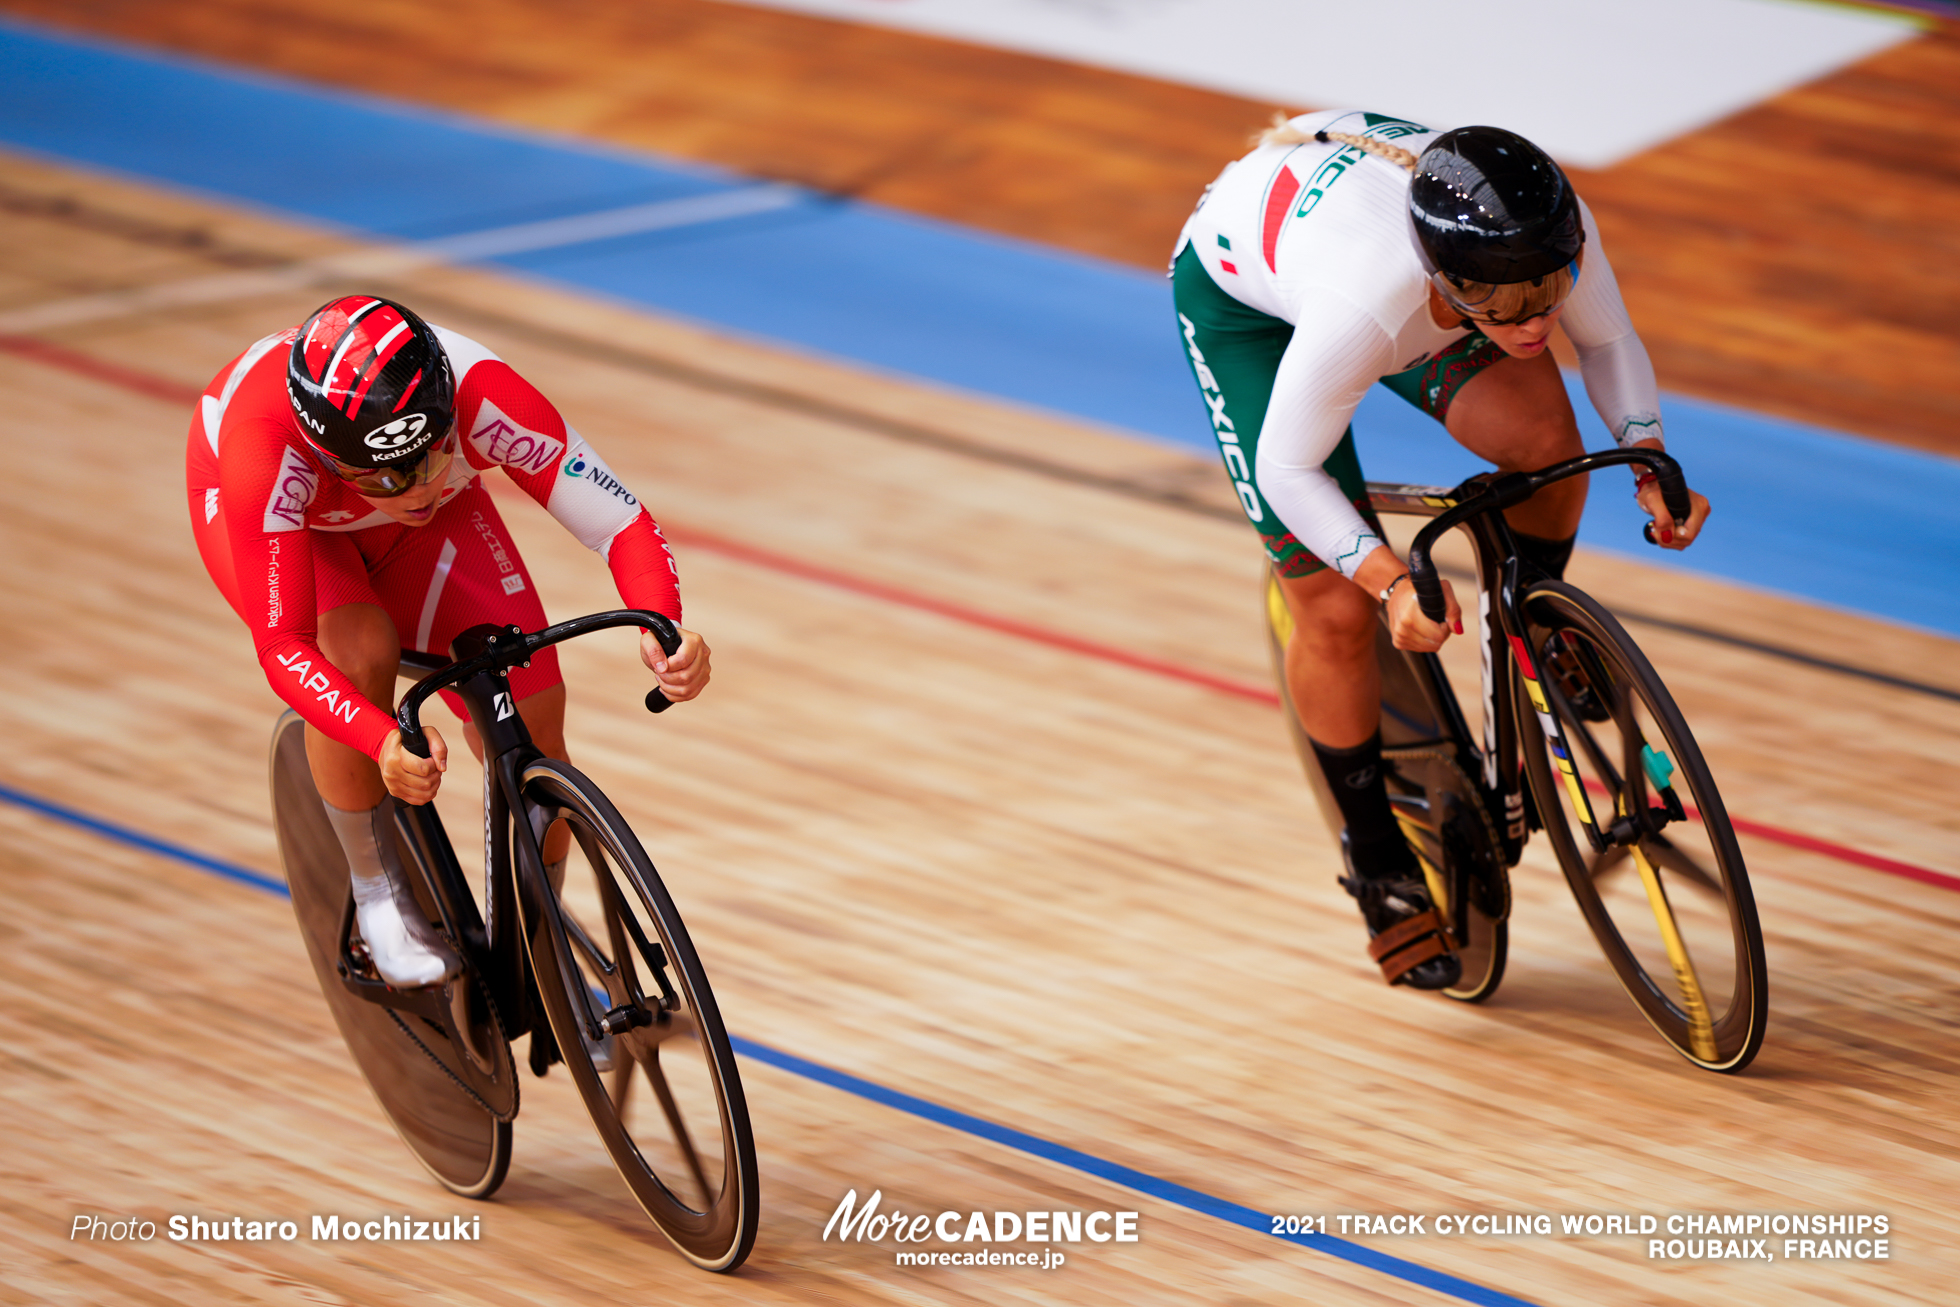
1081	899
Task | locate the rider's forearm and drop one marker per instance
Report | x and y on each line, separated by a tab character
643	568
275	575
1378	569
1313	507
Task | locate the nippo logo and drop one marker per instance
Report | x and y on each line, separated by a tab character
404	430
587	467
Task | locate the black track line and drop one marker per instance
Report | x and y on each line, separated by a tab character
199	242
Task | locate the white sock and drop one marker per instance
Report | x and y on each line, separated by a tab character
405	949
362	845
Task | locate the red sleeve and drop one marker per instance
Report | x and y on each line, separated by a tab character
512	425
267	483
643	568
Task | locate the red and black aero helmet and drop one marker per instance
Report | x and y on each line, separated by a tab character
370	383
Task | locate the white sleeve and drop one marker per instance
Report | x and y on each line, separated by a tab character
463	352
588	499
1618	374
1336	353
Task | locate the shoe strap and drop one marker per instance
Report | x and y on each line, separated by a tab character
1409	943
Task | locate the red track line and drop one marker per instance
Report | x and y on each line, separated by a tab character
143	383
176	392
1257	693
1811	844
972	616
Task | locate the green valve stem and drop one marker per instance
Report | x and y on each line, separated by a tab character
1659	770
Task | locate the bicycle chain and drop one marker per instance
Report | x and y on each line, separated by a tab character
497	1018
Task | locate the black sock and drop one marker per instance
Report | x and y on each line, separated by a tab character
1548	556
1361	792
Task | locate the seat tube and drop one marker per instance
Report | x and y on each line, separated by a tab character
1497	575
1518	636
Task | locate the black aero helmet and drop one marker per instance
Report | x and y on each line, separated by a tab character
370	383
1491	207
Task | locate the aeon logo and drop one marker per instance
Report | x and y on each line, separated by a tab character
292	492
404	430
505	442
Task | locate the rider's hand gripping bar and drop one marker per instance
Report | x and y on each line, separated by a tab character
1514	488
513	648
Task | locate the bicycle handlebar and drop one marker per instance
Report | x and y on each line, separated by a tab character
512	647
1516	487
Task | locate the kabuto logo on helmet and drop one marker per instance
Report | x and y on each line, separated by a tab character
404	430
356	367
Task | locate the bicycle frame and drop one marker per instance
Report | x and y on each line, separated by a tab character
1478	505
489	942
1498	771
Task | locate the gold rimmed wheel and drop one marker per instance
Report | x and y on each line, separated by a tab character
1621	785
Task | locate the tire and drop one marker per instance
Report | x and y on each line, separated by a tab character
682	1142
1677	873
419	1082
1437	805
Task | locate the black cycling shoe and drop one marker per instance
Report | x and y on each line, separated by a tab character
1407	936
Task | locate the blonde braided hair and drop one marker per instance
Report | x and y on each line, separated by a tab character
1283	132
1499	303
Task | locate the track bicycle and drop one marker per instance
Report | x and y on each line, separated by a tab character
1580	739
601	974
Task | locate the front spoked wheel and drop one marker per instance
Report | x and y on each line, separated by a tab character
1640	831
638	1028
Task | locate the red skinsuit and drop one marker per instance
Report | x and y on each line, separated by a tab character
286	540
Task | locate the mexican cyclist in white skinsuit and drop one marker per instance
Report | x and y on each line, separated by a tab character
1349	248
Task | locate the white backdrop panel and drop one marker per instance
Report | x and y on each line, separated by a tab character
1592	81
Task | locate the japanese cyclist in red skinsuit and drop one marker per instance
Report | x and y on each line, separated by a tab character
335	492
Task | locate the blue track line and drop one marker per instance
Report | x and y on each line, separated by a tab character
1852	523
1164	1190
1168	1191
229	870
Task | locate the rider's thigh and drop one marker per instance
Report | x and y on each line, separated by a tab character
1516	414
544	716
1330	610
360	639
459	570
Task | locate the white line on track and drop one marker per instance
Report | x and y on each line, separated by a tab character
466	247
